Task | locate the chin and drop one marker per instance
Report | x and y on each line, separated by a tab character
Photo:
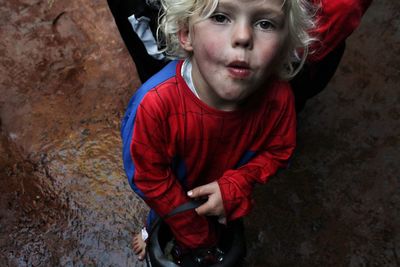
231	98
238	97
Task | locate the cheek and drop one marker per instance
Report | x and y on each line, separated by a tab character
270	54
274	49
207	41
210	50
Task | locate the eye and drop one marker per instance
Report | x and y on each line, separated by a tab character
265	25
219	18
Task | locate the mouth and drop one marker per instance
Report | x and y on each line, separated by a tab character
239	69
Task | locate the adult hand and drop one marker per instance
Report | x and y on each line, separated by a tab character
214	205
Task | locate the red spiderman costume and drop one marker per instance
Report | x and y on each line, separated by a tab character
174	142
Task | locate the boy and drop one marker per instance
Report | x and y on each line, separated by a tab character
336	20
218	122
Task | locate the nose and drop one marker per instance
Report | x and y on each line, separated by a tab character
242	36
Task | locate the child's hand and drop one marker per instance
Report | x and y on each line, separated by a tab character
214	205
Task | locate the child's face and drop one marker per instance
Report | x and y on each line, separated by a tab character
235	51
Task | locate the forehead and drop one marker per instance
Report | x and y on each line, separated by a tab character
255	2
275	5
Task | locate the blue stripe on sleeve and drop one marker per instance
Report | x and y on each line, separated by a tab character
128	121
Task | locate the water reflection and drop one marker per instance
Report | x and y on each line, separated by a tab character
74	206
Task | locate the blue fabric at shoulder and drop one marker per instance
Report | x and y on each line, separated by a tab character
167	72
129	118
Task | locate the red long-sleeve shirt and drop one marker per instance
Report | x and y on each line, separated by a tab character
174	142
178	143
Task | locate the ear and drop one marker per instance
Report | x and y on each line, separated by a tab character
185	40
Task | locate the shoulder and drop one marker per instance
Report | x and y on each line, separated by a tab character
146	91
161	92
166	73
165	79
280	91
279	98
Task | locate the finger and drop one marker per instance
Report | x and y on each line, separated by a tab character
204	209
202	191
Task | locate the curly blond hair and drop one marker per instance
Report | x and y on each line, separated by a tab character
176	15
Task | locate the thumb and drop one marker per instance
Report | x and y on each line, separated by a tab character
200	191
204	209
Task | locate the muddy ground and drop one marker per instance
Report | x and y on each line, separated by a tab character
64	200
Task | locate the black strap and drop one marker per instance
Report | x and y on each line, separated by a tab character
182	208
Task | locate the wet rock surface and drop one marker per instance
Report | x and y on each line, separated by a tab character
66	78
